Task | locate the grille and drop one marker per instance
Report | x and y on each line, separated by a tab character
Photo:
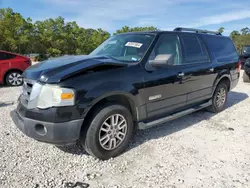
26	90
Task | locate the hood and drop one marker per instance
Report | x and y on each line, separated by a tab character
58	69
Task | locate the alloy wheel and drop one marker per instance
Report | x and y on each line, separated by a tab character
221	97
113	132
15	79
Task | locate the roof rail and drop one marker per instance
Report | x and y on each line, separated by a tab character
197	30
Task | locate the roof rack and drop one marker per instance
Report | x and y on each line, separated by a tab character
197	30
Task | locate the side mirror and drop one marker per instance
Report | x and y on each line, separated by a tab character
162	60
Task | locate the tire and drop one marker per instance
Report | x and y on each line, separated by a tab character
14	78
246	78
221	90
98	133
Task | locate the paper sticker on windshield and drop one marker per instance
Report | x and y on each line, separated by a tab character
134	44
134	59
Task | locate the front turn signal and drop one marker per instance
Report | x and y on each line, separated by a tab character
65	96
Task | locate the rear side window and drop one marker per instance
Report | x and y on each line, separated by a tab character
222	48
194	50
6	56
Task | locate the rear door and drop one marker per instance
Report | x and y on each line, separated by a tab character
5	58
198	67
5	63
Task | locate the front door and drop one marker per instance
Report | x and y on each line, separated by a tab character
166	89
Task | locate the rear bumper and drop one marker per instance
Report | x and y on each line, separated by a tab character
234	84
247	70
64	133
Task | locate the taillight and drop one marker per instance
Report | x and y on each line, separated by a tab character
238	67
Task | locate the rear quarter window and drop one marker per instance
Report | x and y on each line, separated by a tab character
222	48
6	56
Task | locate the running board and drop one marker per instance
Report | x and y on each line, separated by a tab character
142	125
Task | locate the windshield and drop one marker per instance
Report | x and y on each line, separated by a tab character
246	50
126	47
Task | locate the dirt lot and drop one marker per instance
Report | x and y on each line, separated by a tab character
199	150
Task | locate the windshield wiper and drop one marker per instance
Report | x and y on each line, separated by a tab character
110	57
116	59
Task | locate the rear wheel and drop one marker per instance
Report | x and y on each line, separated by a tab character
219	98
14	78
109	132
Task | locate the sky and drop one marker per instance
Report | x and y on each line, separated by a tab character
111	15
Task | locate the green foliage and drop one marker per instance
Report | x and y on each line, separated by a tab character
241	38
51	37
234	34
55	37
221	29
14	31
133	29
245	31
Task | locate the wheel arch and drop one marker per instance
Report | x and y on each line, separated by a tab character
124	99
121	98
224	78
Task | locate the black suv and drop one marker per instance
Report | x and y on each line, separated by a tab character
245	54
245	59
246	75
132	81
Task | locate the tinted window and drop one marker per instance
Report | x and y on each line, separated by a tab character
194	50
2	56
167	44
6	56
222	48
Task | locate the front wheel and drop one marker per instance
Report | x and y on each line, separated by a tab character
219	98
109	132
14	78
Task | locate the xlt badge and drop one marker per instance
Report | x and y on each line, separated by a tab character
154	97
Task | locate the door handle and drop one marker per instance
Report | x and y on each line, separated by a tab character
211	70
181	74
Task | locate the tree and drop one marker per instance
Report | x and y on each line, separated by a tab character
14	31
245	31
239	39
126	29
56	37
234	34
221	29
51	37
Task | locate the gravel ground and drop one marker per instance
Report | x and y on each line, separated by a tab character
198	150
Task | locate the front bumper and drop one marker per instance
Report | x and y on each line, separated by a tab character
63	133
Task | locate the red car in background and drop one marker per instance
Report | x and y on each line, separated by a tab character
11	68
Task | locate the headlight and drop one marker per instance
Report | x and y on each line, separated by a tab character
55	96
